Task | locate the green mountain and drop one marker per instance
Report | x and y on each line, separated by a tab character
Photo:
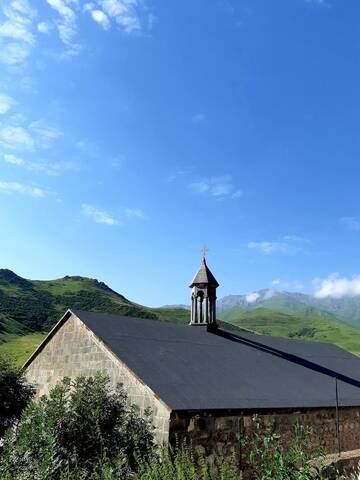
307	323
34	305
29	308
346	308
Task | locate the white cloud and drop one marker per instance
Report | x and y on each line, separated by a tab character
134	213
336	287
66	24
16	31
198	118
10	158
352	223
217	187
44	27
6	102
14	53
269	247
252	297
100	17
44	133
124	12
276	281
97	215
287	244
16	138
51	168
20	188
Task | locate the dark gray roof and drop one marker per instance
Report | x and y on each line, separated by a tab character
190	368
204	275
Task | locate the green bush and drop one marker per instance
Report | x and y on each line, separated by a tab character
269	458
184	464
80	426
15	393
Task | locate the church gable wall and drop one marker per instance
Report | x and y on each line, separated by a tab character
74	350
219	433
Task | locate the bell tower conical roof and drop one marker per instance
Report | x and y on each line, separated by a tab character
204	276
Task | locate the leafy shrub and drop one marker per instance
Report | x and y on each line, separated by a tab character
15	393
269	458
78	426
184	464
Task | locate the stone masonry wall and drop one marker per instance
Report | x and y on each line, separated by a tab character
218	433
74	350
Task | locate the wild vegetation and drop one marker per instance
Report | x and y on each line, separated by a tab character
84	429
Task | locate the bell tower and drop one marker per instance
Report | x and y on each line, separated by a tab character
203	298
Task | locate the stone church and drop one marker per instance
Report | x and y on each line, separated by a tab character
204	382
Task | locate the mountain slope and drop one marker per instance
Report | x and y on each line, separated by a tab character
307	327
29	308
347	308
33	305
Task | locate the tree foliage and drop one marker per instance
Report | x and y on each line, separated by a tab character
78	426
15	393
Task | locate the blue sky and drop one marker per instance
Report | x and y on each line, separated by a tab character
132	132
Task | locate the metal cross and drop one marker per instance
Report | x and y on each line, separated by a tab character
204	251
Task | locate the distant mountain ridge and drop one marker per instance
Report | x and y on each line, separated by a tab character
346	309
29	308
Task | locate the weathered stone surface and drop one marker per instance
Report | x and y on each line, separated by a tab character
75	350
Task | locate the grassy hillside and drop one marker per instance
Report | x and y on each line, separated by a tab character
301	326
29	308
19	347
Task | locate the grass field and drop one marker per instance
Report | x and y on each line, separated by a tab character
19	347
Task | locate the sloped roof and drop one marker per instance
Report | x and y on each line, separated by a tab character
190	368
204	275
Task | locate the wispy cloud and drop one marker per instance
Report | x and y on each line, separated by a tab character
287	244
101	18
46	166
16	138
44	133
134	213
14	54
16	135
336	287
17	38
6	102
20	188
217	187
66	24
130	15
10	158
351	223
97	215
44	27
